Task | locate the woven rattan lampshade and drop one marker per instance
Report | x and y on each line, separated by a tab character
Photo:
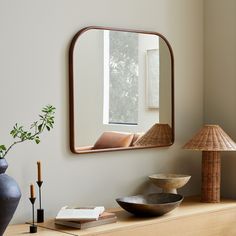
211	139
157	135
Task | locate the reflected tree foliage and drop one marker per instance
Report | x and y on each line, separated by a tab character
123	86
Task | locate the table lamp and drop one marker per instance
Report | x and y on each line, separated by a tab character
211	139
157	135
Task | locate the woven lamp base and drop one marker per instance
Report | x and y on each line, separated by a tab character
211	171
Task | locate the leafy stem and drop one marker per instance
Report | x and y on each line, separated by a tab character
46	121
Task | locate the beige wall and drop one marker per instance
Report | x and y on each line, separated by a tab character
35	36
165	84
220	78
88	87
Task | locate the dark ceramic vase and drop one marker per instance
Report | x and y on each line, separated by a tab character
9	196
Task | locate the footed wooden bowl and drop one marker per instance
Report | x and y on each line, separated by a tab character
169	182
155	204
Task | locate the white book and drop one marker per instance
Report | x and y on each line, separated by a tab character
67	213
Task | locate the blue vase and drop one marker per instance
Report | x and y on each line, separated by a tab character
9	196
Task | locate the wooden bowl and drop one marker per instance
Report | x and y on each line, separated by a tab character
169	182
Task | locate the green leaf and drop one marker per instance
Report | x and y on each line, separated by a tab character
37	141
40	127
14	132
3	148
50	125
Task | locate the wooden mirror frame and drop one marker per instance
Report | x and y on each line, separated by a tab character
73	147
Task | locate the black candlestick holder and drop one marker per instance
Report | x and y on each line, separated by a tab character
33	227
40	211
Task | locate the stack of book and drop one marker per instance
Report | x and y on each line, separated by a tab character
83	218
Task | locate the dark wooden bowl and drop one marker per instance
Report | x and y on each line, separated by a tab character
155	204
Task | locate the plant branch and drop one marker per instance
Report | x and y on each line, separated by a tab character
20	141
47	121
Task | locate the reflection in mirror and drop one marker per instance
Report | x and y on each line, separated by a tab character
121	90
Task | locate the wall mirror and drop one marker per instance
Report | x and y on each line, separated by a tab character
121	90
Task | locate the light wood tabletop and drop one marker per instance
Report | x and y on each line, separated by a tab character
191	218
23	229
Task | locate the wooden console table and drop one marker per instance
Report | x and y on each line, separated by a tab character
192	218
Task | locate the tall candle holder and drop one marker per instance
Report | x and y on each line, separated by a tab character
40	211
33	227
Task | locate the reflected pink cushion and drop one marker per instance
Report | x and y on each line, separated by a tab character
113	139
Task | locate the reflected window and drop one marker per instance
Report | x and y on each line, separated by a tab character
121	73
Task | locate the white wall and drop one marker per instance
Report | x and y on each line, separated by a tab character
220	79
35	36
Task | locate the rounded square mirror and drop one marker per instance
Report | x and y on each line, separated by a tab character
121	90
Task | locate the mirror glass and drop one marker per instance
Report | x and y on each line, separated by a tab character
121	90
